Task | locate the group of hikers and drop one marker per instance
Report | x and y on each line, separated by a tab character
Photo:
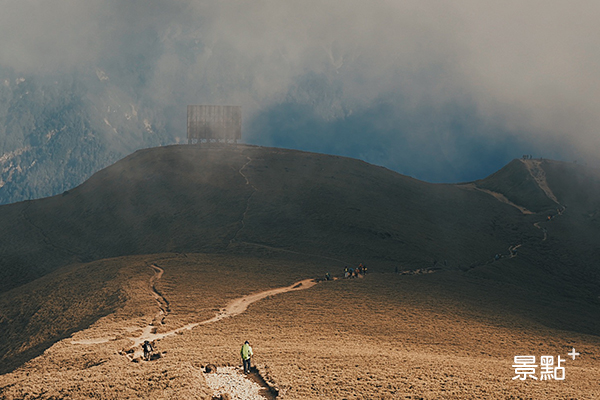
350	272
246	353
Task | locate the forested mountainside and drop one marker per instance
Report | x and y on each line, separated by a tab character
55	132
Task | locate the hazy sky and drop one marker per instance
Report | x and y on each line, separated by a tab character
438	90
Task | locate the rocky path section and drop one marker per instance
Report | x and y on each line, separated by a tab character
229	382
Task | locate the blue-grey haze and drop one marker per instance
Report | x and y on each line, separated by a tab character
442	93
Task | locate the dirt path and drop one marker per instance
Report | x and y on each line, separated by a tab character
539	175
512	250
163	304
233	308
254	190
544	230
500	197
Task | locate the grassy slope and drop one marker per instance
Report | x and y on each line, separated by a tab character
303	203
441	335
189	199
566	262
360	213
152	201
36	315
517	184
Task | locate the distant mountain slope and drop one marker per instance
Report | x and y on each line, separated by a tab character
306	213
249	199
193	199
55	132
518	184
566	197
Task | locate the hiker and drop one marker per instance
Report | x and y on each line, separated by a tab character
147	347
328	276
351	272
346	272
246	354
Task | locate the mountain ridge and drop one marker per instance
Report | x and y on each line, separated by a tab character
188	198
273	216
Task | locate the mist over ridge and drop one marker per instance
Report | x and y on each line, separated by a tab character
441	93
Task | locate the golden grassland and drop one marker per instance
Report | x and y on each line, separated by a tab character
34	316
385	336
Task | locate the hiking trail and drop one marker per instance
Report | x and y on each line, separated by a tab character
500	197
539	175
163	303
254	190
544	230
233	308
534	167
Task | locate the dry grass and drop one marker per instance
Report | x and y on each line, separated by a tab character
193	199
432	336
37	314
384	337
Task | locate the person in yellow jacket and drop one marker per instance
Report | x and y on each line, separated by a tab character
246	354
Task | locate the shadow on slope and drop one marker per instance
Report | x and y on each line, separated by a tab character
38	314
195	199
269	203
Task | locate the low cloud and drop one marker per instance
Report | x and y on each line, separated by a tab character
465	80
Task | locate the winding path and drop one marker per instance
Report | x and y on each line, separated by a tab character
534	167
163	304
254	190
544	230
233	308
